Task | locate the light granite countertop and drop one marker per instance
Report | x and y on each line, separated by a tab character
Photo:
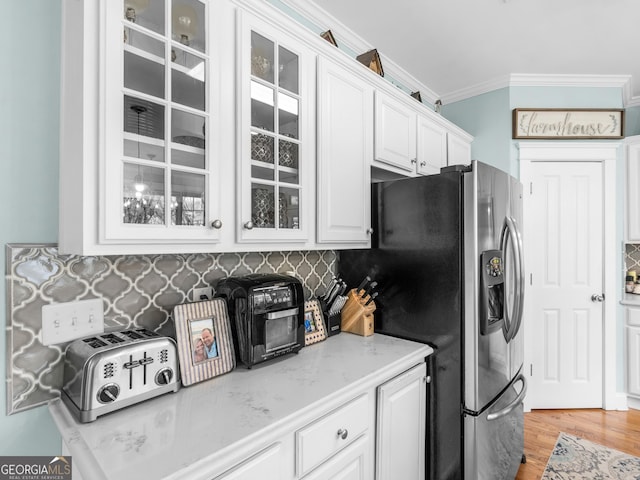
178	435
630	299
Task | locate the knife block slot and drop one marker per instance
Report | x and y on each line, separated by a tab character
356	316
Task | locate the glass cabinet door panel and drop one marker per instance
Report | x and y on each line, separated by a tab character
288	115
262	53
187	130
143	45
146	13
288	162
143	75
143	118
187	23
188	79
289	208
288	70
262	206
187	199
262	147
262	106
134	147
143	194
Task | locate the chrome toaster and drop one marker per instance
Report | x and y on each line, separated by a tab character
113	370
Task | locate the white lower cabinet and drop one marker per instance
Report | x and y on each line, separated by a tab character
401	426
352	463
633	351
268	463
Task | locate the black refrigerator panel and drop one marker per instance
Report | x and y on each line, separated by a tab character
416	260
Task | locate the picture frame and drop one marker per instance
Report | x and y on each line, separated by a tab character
313	323
568	123
203	337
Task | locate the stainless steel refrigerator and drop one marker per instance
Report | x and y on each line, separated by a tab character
447	256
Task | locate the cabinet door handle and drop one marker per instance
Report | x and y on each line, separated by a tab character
217	224
423	164
249	225
343	433
370	231
414	161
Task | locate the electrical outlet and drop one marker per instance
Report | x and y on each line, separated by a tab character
63	322
200	294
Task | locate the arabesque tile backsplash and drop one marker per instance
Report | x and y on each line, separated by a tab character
137	291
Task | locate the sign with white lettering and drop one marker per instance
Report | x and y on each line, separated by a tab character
563	124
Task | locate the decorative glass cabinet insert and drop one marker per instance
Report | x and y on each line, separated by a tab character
165	110
274	135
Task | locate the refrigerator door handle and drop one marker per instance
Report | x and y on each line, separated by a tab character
510	233
518	400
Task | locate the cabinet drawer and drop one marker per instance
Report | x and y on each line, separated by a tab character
633	316
327	436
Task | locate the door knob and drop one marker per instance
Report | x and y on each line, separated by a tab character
596	297
217	224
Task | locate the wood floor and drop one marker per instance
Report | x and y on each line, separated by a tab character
618	430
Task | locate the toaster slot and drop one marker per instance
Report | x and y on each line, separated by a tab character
94	342
147	333
131	334
111	338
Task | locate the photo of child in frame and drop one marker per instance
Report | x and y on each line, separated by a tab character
203	340
309	322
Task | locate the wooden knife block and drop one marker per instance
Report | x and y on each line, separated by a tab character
356	317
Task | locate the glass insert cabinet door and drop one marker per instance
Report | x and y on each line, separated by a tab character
275	164
158	163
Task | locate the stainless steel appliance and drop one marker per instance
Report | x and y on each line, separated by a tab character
447	256
267	315
111	371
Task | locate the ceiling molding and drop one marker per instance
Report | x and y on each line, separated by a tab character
475	90
545	80
357	45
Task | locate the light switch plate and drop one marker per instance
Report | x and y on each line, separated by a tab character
63	322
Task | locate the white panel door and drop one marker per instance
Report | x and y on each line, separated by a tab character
401	434
345	149
432	146
565	234
395	133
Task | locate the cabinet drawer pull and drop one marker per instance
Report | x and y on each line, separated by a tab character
249	225
343	433
217	224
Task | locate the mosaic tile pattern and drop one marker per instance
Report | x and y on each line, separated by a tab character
137	291
632	257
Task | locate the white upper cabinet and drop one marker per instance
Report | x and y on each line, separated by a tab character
432	146
412	140
139	164
458	149
395	133
345	149
276	131
632	230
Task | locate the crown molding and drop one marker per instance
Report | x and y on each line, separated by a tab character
356	45
546	80
475	90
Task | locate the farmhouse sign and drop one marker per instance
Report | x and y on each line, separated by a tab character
553	123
